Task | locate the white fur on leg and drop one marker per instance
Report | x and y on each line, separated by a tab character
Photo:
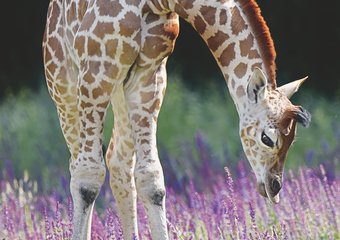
85	186
151	190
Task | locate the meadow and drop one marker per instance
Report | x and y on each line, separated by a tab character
229	209
210	188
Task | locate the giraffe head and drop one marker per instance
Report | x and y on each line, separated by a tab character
267	129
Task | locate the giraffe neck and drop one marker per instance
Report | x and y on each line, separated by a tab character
231	39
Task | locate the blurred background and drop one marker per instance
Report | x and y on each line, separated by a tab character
306	35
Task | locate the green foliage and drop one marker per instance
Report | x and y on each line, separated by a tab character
30	135
185	112
322	136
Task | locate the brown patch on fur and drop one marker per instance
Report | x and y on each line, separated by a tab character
106	87
94	67
54	13
47	55
237	22
84	104
227	55
129	54
55	44
110	8
240	91
93	47
90	117
181	11
241	70
103	28
135	117
158	29
90	131
89	143
150	18
79	45
97	92
82	7
88	21
223	17
88	78
187	4
101	115
144	123
208	14
111	70
133	2
147	96
52	67
215	41
129	24
199	24
245	48
154	107
71	13
262	36
84	91
153	46
111	47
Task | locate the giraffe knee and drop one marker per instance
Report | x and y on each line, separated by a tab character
151	190
86	184
157	197
152	195
88	196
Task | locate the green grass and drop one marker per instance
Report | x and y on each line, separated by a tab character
30	135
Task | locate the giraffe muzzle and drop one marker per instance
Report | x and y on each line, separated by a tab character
273	186
270	189
276	186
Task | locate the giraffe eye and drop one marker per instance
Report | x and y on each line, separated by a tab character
266	140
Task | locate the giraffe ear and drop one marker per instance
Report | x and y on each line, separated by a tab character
290	88
257	86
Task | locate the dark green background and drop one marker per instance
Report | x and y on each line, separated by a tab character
306	35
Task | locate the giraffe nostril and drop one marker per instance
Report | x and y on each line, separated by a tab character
261	189
276	186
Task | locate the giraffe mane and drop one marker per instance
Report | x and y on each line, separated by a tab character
262	36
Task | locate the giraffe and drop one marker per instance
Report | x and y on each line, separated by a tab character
102	52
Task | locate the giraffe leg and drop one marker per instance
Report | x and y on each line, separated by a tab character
88	170
120	159
144	99
81	124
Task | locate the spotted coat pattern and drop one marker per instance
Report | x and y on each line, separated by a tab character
98	52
